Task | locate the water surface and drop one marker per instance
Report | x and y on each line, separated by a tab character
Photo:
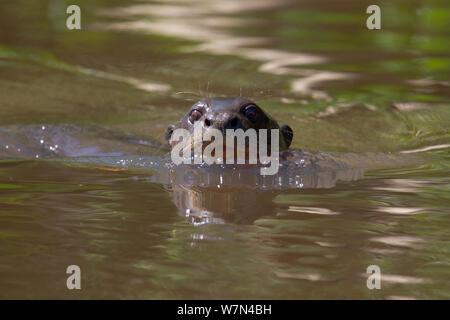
111	89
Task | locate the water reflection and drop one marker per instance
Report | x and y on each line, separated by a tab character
196	23
218	206
220	194
399	241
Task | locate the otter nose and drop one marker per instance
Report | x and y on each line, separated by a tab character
233	123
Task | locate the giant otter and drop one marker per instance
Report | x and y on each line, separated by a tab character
230	113
208	195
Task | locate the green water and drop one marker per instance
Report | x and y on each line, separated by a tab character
134	68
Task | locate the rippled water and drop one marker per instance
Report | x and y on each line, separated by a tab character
83	180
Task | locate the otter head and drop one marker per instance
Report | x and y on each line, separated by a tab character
230	113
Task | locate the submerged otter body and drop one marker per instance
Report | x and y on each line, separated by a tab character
203	194
230	113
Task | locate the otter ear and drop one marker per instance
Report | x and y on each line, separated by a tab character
169	131
288	134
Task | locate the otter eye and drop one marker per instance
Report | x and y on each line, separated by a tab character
251	113
195	116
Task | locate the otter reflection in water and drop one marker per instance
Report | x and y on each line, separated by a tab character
212	205
230	194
